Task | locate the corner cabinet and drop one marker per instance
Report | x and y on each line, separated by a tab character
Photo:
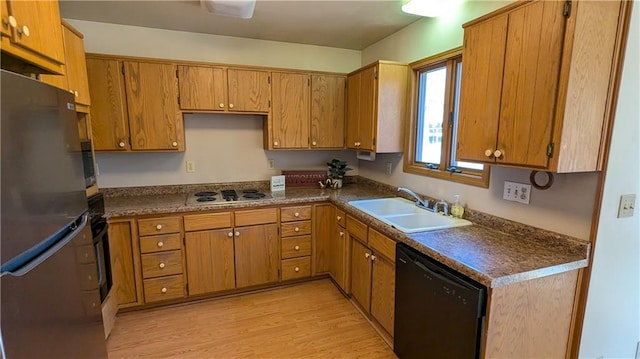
31	32
135	106
536	84
376	107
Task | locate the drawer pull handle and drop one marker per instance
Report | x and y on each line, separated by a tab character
221	105
121	144
296	229
174	144
230	234
161	265
163	290
314	143
160	244
339	218
86	254
89	277
367	255
237	234
159	227
231	105
341	234
297	248
296	214
297	269
373	258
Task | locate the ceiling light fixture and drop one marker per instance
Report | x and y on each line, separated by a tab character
232	8
428	8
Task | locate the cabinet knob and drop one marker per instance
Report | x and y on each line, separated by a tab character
174	144
314	143
373	258
231	105
221	105
159	227
339	218
296	229
76	93
86	254
24	30
237	234
297	269
89	277
367	255
498	153
341	234
275	143
11	21
297	248
160	244
161	265
163	290
230	234
121	144
296	214
488	152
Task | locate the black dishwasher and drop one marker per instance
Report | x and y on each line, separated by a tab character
439	312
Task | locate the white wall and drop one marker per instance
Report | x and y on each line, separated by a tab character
565	208
224	147
612	319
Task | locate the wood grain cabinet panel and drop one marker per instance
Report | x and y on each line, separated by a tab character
288	214
290	114
357	229
296	268
199	222
163	288
340	254
532	95
202	88
256	255
256	216
210	261
249	90
5	29
361	274
383	291
296	247
160	243
295	228
324	225
121	254
160	225
328	111
161	264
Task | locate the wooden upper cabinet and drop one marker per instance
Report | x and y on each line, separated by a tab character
327	111
202	88
155	121
376	102
5	28
36	37
109	122
536	82
249	90
290	114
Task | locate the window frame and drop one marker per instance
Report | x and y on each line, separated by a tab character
479	178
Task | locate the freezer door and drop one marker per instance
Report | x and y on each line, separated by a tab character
42	177
53	310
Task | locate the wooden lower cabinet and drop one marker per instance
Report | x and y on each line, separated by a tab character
256	255
210	261
323	230
340	255
361	274
122	255
383	288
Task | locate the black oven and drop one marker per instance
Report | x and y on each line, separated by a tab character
99	229
88	164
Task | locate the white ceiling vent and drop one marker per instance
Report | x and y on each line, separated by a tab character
232	8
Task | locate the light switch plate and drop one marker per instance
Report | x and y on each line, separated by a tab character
517	192
191	166
627	205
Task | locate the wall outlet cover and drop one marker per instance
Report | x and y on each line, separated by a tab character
517	192
627	205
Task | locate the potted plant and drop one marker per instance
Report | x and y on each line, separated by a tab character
337	170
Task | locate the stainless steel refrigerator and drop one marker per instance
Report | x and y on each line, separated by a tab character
49	295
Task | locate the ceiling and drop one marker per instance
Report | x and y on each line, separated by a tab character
342	24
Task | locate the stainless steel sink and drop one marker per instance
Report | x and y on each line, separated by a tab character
405	216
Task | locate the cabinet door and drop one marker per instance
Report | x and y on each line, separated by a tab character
340	258
256	255
324	229
368	114
249	90
481	88
530	85
327	111
210	261
109	124
202	88
76	66
361	274
5	30
383	292
290	114
155	121
121	259
38	28
353	109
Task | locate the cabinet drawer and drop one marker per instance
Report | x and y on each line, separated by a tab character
163	288
161	264
162	243
296	247
357	229
296	268
162	225
382	244
256	216
201	222
299	213
340	218
295	228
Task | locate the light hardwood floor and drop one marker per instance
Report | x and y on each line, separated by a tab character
307	320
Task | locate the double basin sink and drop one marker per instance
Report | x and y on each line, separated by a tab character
405	216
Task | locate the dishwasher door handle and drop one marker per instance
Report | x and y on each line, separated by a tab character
452	281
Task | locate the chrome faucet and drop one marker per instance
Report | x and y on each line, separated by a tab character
445	207
423	203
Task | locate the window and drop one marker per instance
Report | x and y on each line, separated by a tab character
433	122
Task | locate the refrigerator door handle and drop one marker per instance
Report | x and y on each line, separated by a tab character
49	252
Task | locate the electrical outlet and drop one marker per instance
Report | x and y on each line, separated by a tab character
271	164
627	205
191	166
389	168
517	192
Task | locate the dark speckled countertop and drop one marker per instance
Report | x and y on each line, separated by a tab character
493	251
